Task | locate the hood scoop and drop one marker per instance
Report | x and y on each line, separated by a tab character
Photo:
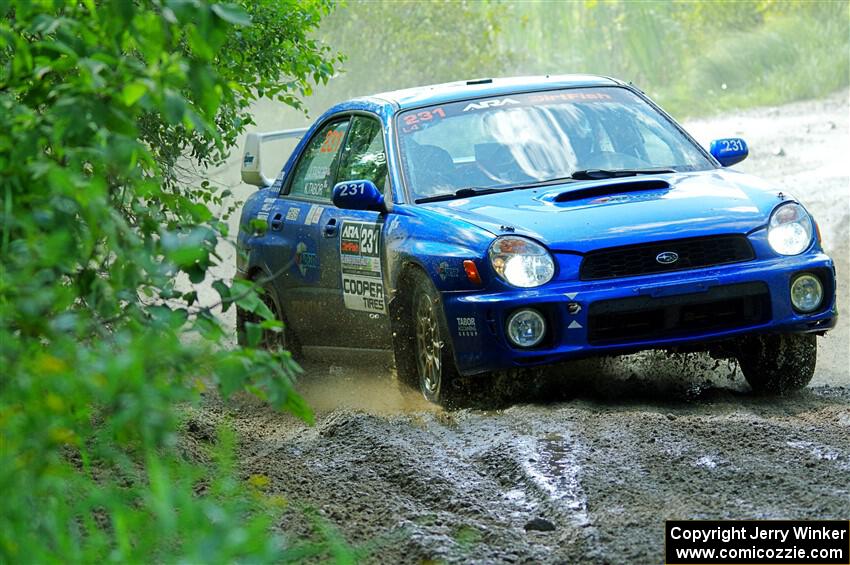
609	189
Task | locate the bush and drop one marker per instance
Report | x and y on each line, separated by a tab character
104	107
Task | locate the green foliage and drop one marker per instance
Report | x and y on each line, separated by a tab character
692	57
405	43
790	57
764	51
108	111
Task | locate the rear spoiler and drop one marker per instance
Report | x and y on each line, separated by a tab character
252	172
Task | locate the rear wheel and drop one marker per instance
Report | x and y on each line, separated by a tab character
778	363
270	339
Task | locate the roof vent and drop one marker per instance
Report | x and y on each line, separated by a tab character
480	81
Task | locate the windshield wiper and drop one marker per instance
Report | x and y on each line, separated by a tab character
596	174
584	174
464	192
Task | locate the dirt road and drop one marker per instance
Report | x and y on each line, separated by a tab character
600	458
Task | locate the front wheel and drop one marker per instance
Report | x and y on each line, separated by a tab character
780	363
424	354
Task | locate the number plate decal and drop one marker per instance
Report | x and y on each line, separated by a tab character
360	262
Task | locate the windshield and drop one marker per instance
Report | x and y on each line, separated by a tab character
531	138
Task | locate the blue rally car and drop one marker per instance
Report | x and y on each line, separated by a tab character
498	224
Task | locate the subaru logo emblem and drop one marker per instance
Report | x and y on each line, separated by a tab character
667	257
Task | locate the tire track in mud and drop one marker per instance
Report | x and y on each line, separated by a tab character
735	459
452	487
460	487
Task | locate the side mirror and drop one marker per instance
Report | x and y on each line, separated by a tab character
729	151
358	195
252	170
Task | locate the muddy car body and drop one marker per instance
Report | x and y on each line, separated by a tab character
502	224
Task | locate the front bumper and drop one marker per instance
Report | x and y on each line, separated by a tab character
684	308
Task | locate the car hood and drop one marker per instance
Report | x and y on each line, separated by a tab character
583	216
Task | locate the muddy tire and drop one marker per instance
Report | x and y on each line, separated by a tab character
778	364
402	335
270	340
423	348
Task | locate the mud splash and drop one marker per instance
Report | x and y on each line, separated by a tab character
369	385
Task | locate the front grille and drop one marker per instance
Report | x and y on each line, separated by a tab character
643	317
641	259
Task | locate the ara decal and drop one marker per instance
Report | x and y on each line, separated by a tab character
484	104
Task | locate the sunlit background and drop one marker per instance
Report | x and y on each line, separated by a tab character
693	58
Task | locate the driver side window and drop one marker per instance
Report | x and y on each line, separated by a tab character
313	176
363	157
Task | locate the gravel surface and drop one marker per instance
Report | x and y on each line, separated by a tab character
587	468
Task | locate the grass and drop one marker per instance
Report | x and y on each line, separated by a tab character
787	59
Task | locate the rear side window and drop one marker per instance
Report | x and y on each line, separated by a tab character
314	173
363	157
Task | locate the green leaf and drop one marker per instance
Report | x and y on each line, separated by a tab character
133	92
175	107
230	372
224	292
187	248
232	13
253	334
296	405
273	325
258	226
209	327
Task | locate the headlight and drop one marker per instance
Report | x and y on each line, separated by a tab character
790	229
521	262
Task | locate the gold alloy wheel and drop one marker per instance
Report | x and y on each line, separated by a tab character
429	346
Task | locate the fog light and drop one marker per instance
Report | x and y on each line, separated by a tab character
806	293
526	328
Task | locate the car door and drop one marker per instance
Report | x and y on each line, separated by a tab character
351	245
306	285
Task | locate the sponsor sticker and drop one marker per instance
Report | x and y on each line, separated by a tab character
306	260
278	181
360	262
314	215
393	224
315	188
265	208
568	96
447	272
318	171
292	214
495	103
466	327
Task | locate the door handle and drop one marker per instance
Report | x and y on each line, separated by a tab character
330	228
277	221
